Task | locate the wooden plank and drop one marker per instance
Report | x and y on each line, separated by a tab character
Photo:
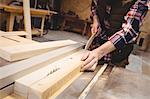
76	88
50	84
22	85
7	42
27	18
19	39
13	96
92	83
10	73
35	12
18	52
14	33
10	21
89	42
3	62
14	40
7	91
42	25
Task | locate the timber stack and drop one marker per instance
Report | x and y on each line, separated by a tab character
37	70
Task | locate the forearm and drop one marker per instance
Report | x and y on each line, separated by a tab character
105	49
95	19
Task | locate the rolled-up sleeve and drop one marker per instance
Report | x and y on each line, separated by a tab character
130	28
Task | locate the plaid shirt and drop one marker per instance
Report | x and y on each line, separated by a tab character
130	28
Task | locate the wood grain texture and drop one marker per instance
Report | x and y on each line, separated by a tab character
89	42
7	42
10	73
7	91
69	68
92	82
13	96
14	40
76	88
14	33
22	85
19	39
19	52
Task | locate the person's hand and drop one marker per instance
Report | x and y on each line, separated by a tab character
96	28
91	57
90	60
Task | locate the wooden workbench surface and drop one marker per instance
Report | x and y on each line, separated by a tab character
120	84
19	10
117	84
75	89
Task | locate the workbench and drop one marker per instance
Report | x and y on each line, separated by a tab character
18	10
117	84
75	24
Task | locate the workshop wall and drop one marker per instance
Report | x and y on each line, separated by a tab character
80	7
146	24
145	28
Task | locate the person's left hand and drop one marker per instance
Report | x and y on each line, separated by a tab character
90	60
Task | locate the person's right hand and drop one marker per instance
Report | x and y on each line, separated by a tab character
96	28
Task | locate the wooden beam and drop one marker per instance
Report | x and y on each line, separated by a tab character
14	33
2	6
42	25
50	82
6	91
33	11
27	18
18	52
7	42
19	39
89	42
10	22
92	83
14	40
10	73
14	96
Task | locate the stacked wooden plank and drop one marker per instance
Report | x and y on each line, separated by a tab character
18	52
14	40
45	82
14	33
52	64
12	72
29	65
